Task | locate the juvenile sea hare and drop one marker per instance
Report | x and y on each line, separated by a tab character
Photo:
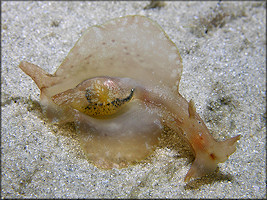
119	85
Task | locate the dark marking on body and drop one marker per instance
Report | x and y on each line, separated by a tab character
117	102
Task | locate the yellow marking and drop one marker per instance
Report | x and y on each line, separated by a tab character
103	105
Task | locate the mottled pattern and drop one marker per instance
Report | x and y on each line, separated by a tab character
95	97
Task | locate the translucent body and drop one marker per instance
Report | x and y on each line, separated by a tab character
127	73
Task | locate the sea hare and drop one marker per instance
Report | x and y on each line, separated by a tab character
119	85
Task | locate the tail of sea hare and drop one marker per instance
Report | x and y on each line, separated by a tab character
206	162
40	77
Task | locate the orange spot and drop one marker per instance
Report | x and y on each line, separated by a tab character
213	157
198	142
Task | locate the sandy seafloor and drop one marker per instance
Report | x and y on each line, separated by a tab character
223	48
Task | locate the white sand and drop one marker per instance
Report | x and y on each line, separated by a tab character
224	69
